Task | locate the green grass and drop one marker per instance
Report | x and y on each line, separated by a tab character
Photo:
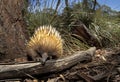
106	29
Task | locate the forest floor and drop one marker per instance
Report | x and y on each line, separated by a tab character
104	67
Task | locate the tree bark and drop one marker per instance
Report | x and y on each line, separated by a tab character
12	29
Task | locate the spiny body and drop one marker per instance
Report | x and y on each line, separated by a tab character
45	43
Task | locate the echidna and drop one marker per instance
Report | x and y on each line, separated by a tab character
46	43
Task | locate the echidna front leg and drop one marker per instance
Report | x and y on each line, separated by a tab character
32	55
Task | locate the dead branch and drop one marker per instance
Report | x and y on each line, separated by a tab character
109	66
103	75
52	66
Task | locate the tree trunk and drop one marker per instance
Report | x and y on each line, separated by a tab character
12	29
95	2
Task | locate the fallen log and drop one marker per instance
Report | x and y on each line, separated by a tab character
9	71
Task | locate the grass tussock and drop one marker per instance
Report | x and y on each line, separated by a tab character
101	25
